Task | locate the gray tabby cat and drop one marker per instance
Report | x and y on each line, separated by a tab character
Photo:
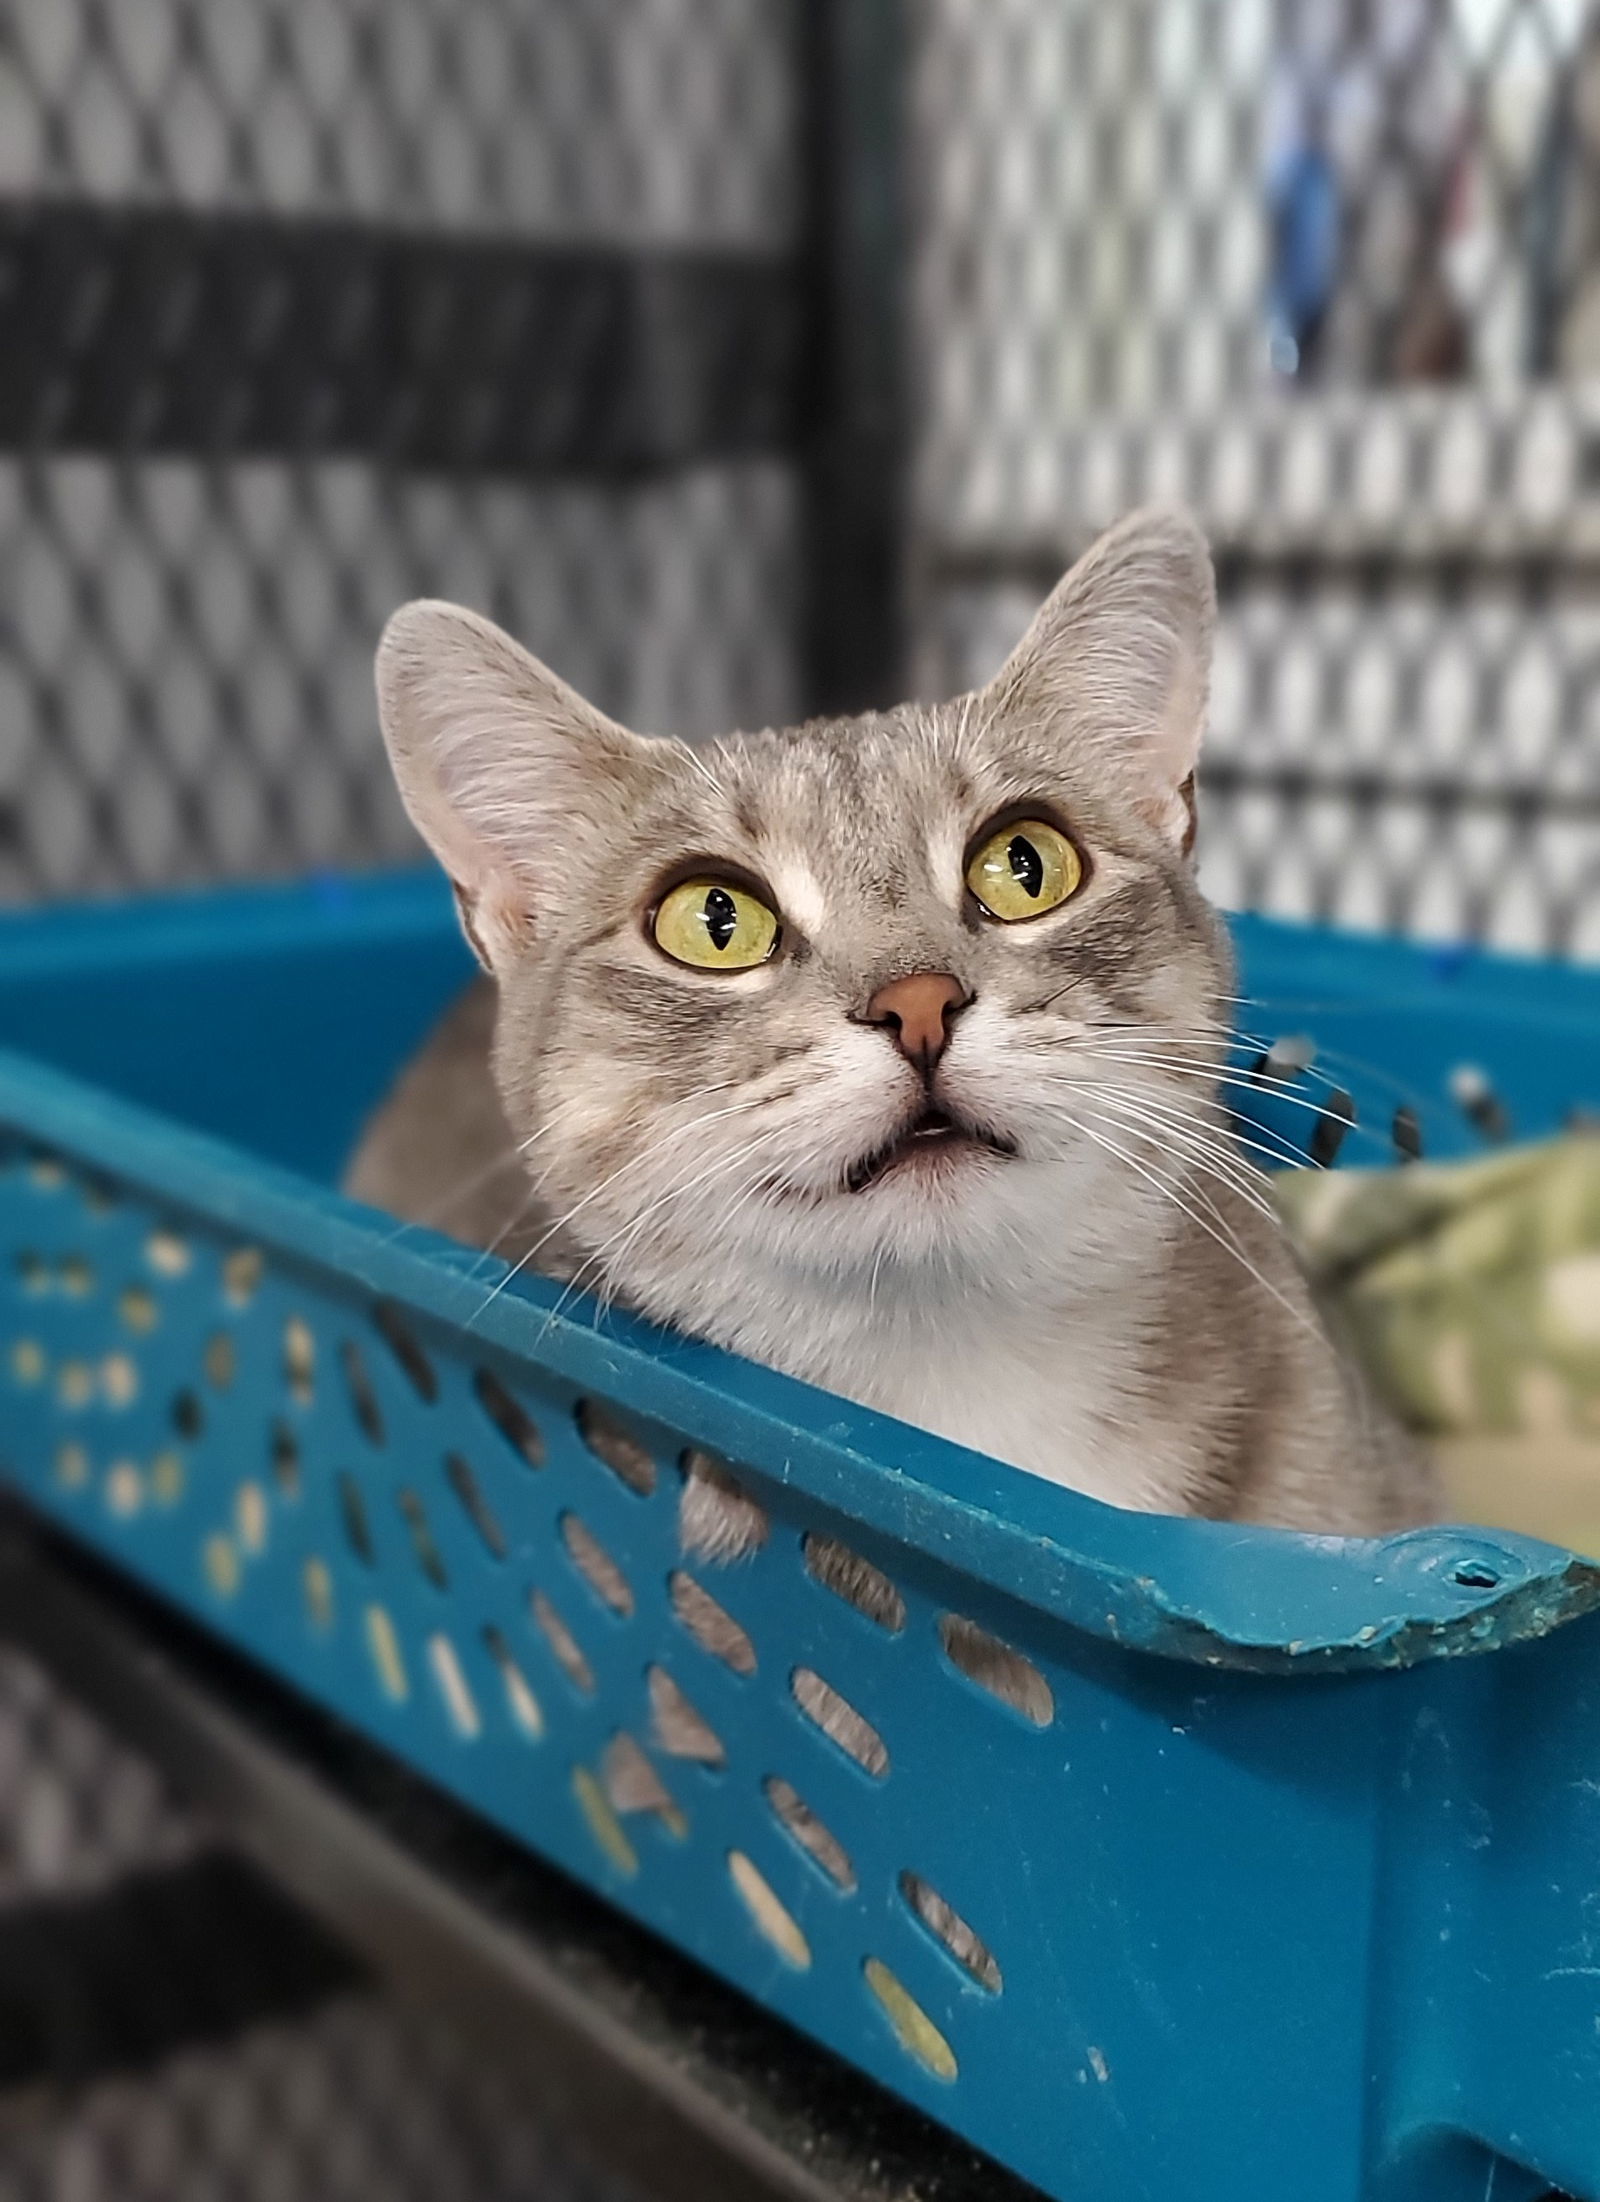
884	1050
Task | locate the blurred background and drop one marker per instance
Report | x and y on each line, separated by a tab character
747	359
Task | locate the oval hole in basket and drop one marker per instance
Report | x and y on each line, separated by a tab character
1336	1114
75	1383
568	1653
124	1489
251	1518
316	1580
363	1399
422	1538
138	1309
947	1926
681	1729
353	1513
995	1667
72	1466
718	1520
384	1645
465	1485
595	1564
167	1253
713	1629
633	1785
603	1823
119	1380
242	1271
221	1362
187	1417
28	1362
771	1915
914	2030
801	1824
509	1417
454	1688
839	1721
396	1334
76	1277
1476	1098
285	1459
220	1558
299	1360
523	1706
622	1453
855	1580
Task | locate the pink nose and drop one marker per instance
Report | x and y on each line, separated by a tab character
916	1012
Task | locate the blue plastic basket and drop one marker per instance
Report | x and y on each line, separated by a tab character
1289	1889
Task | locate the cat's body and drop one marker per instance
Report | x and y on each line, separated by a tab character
970	1170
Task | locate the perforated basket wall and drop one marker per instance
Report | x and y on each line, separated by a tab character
1199	1867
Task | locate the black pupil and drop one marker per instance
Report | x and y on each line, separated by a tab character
721	917
1027	865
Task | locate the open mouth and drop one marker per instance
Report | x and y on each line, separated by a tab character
932	1137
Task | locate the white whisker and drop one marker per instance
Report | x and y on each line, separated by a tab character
1223	1238
1171	1134
1224	1138
634	1162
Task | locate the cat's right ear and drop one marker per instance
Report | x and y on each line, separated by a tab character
1117	662
496	760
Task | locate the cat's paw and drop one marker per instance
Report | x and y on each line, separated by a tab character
717	1518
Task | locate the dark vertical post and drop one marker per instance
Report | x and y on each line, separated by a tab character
853	524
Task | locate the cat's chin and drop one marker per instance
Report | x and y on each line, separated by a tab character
936	1149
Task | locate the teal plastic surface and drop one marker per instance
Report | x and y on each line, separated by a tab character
1286	1890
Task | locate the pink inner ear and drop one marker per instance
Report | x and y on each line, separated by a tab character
466	911
495	918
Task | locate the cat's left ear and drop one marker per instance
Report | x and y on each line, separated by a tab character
1118	660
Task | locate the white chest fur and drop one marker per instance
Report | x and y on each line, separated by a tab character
1050	1390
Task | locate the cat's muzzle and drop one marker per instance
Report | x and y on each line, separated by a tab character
934	1133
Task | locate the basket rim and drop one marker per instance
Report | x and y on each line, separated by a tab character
1215	1594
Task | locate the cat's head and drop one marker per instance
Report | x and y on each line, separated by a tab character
869	1005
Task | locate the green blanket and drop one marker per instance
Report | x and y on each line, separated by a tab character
1472	1291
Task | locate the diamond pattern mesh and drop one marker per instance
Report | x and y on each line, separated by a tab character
191	683
625	119
76	1809
185	641
1331	271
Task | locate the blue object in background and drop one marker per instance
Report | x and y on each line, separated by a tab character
1303	200
1286	1879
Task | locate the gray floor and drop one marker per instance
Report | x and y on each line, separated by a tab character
365	2101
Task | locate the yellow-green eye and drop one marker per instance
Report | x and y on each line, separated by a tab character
715	926
1024	869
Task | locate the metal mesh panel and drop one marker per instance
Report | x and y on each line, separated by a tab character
192	571
659	119
76	1809
189	692
1328	270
